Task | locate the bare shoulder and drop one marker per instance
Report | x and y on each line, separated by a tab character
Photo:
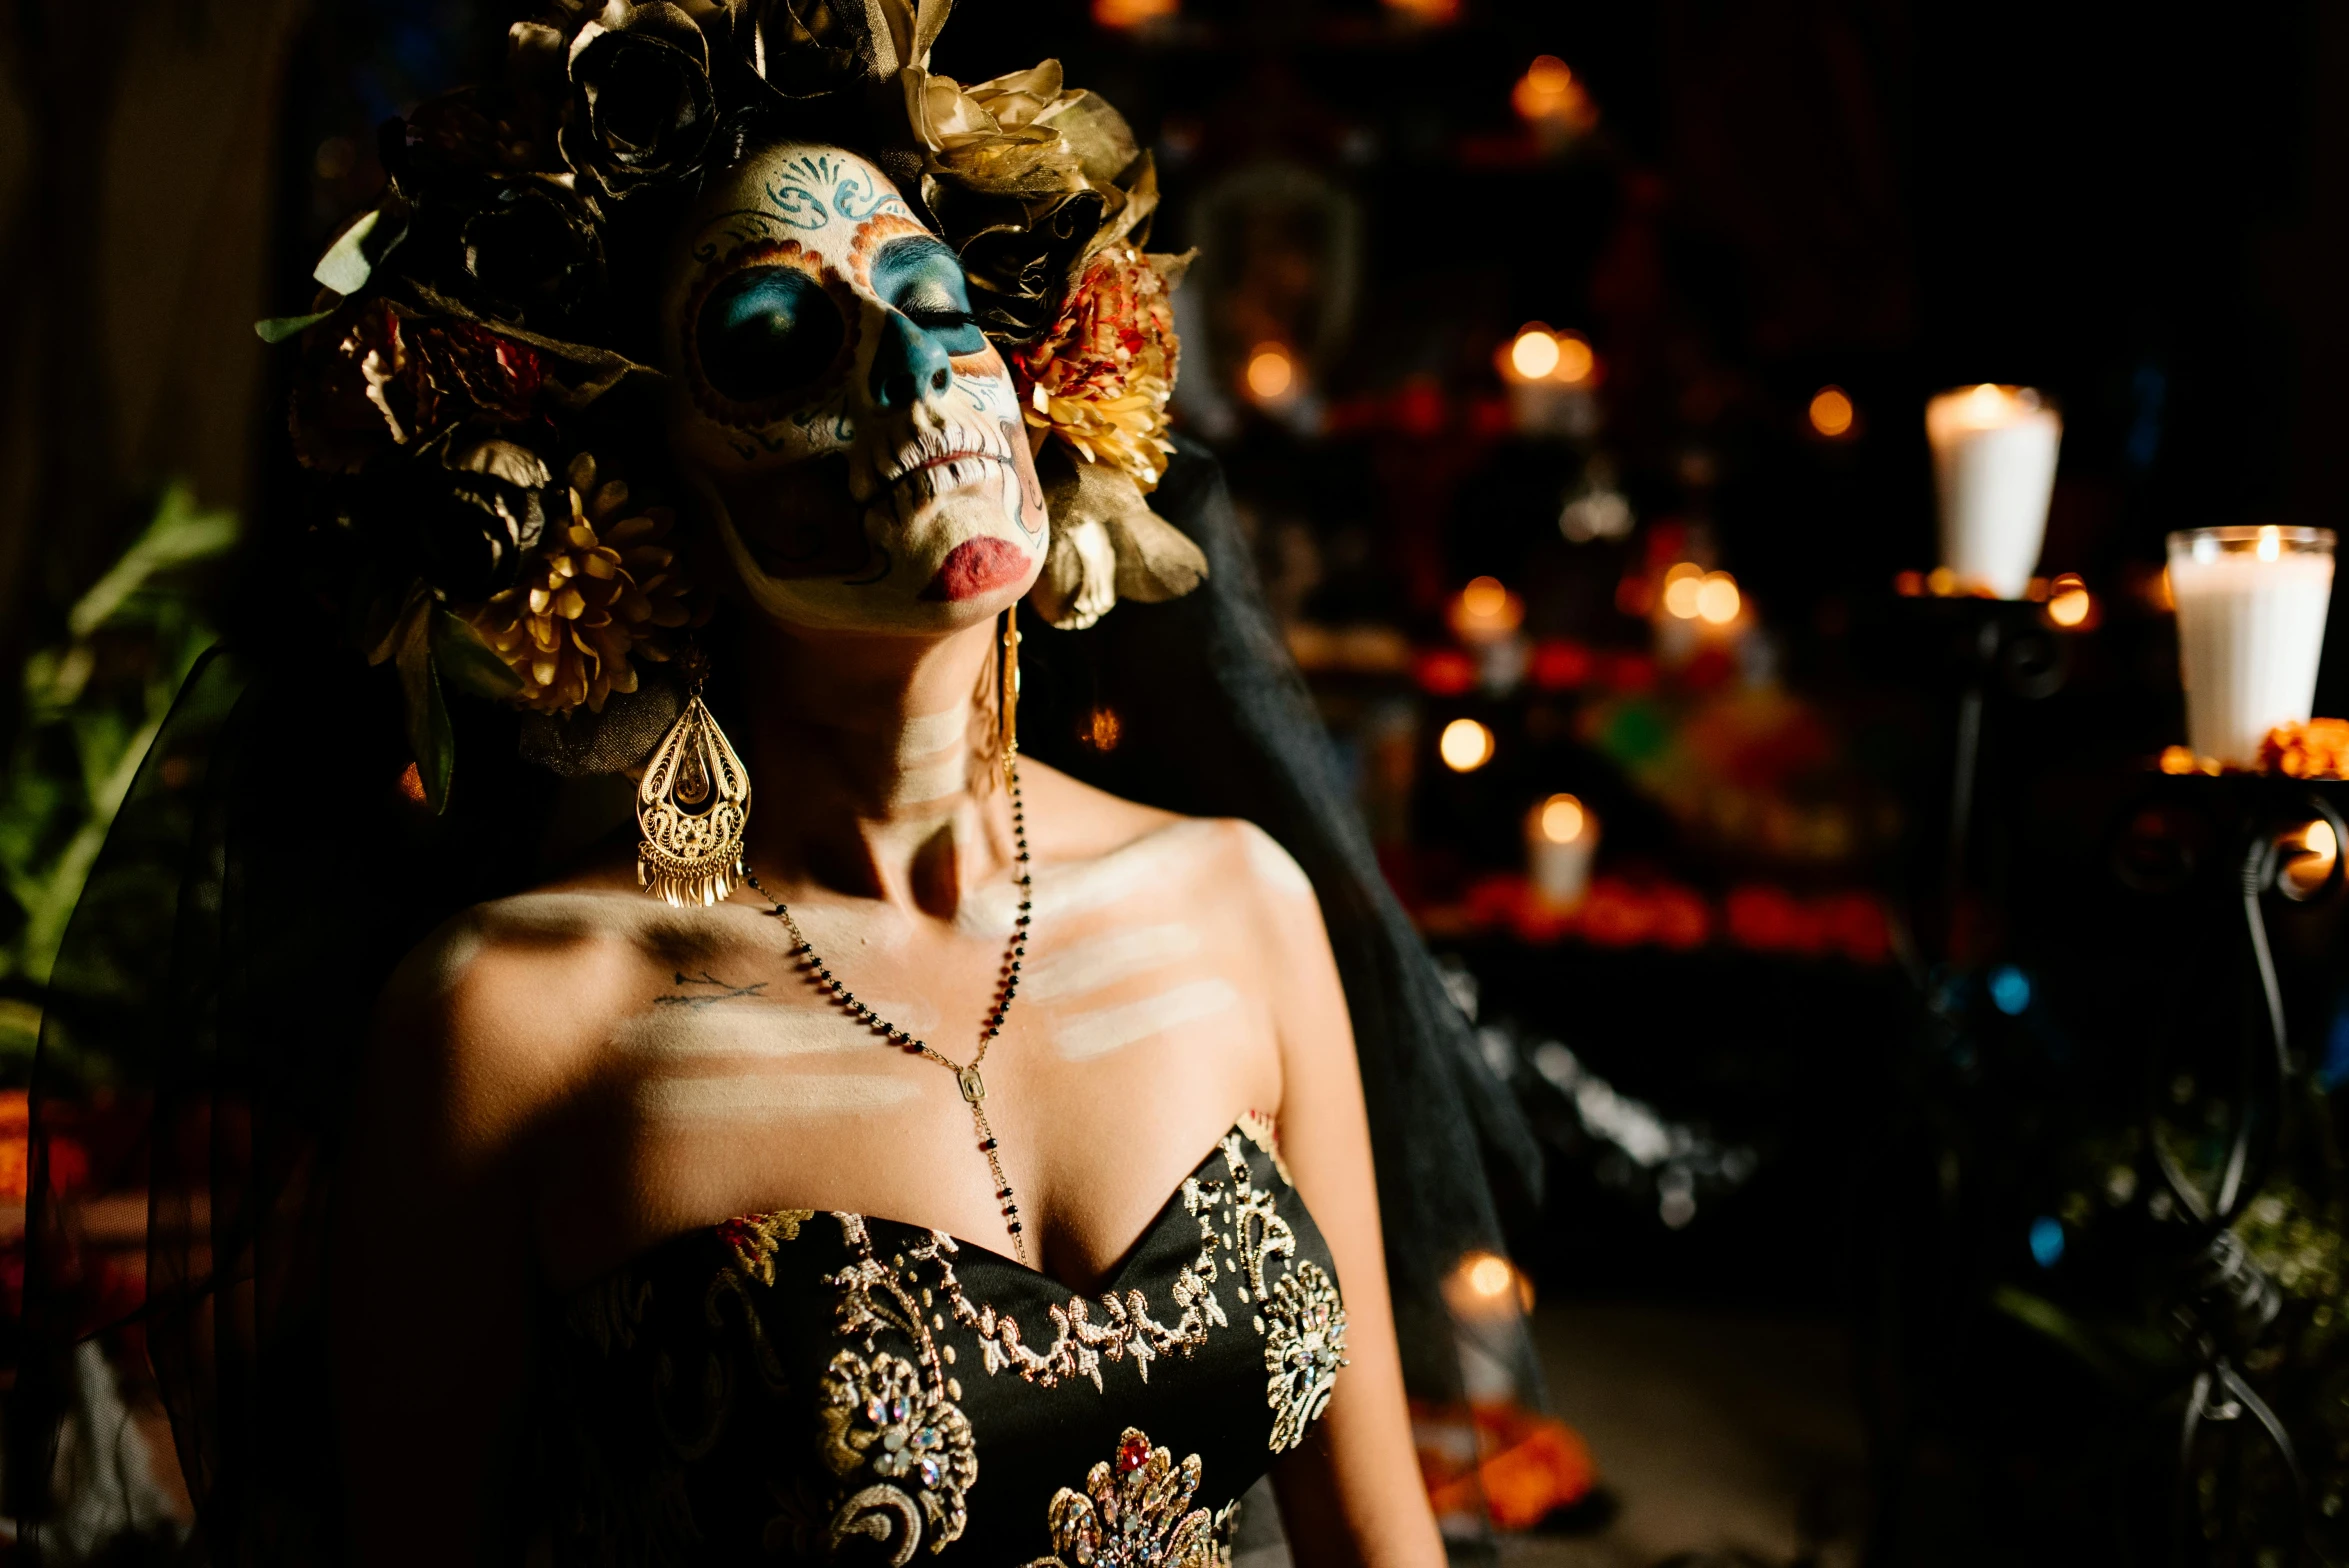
506	1004
1225	864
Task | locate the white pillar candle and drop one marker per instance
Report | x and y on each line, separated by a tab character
1560	836
2251	625
1994	467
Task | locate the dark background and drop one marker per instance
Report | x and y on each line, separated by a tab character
2143	211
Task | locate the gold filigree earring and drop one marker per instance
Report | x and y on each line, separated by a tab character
693	807
1007	692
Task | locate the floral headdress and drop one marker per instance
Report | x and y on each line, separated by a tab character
466	374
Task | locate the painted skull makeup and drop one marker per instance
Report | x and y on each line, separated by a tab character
855	436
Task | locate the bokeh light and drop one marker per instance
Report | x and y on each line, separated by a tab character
1575	360
2309	855
1271	372
1123	14
1717	599
1548	94
2068	601
1534	354
1831	412
1684	585
1563	819
1465	745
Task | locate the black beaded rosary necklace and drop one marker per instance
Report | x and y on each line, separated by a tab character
974	1088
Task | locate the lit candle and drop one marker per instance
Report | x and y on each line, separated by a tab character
1560	836
1994	467
1549	376
2251	625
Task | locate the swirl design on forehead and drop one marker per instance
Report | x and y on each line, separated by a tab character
763	412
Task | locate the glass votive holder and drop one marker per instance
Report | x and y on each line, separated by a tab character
1994	450
2251	626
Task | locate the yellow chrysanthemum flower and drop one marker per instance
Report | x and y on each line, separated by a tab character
604	591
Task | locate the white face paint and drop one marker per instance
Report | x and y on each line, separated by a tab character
854	436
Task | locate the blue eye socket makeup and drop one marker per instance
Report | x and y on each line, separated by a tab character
767	331
924	281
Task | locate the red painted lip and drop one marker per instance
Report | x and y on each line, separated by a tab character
977	566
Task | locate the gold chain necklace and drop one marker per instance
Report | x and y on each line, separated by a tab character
974	1088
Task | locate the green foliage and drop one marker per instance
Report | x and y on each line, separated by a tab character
92	708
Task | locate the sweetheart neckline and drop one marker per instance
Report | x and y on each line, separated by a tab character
1111	1281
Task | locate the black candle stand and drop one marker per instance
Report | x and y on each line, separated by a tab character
2219	1302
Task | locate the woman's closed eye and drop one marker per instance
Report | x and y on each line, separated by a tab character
767	331
924	282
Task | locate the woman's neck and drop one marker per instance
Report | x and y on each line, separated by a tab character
872	757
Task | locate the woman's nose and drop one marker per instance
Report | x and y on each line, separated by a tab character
907	365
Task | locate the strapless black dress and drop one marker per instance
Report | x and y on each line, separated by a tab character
799	1387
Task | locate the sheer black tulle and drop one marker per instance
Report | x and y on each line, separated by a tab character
267	871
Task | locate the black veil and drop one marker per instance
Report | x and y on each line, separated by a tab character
278	865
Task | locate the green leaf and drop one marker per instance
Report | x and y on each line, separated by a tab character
429	734
460	654
355	254
276	329
178	535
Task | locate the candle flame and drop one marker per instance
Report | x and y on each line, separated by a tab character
1535	353
1465	745
1563	819
1718	598
2271	543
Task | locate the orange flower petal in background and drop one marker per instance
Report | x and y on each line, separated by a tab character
2318	749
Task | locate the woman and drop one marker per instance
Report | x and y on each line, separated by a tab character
567	1083
944	1156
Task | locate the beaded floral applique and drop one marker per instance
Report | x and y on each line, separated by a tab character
1264	1132
1301	1317
1304	1346
1136	1510
1080	1344
753	1239
893	1422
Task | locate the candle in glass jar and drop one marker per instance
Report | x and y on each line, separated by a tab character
2251	626
1994	468
1560	836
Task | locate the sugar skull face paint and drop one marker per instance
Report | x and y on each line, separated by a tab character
854	436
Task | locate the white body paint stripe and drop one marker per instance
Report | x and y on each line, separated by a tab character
757	1029
1064	891
810	1094
930	781
1087	1035
928	734
1098	962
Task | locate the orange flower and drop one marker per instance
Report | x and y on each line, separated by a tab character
1101	377
2318	749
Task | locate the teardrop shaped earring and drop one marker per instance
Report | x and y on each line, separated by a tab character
693	807
1007	694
